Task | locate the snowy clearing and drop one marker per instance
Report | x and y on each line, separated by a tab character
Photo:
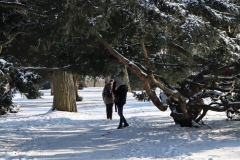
37	133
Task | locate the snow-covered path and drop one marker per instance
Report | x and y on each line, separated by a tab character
37	133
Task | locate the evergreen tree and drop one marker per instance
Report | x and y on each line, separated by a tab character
161	41
57	38
11	76
197	36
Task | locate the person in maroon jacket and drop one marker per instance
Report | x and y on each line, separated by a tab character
120	93
108	98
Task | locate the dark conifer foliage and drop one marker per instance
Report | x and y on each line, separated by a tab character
184	47
173	39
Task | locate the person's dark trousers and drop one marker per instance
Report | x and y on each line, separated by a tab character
120	113
109	109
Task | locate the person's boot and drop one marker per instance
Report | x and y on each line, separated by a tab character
125	125
107	116
107	113
120	127
110	114
110	117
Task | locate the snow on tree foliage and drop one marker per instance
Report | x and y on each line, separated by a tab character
12	79
199	36
188	33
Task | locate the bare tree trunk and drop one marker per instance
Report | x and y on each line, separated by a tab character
94	81
64	92
75	81
126	78
52	90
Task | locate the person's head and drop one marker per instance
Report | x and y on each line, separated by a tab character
118	83
109	86
111	80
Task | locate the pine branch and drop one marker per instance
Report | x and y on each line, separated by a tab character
9	40
14	5
180	65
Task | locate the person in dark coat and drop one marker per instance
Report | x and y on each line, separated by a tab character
108	98
120	93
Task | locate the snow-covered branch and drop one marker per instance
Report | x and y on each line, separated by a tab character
14	5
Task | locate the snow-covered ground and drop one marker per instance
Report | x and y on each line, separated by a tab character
37	133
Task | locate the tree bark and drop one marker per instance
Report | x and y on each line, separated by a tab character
126	78
52	89
76	81
94	81
64	92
